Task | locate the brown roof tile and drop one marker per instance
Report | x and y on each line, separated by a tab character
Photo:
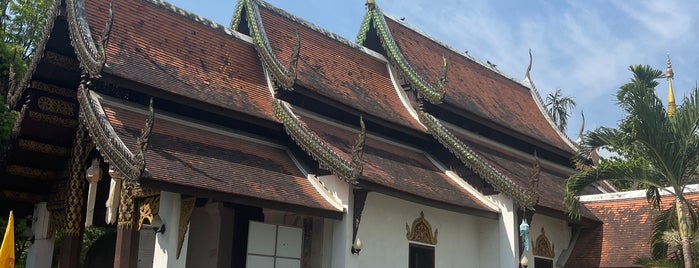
336	70
623	236
475	88
396	167
191	156
152	45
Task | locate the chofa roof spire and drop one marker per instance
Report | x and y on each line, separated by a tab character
669	74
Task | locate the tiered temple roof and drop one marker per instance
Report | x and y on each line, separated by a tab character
212	86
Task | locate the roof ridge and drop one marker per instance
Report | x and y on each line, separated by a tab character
309	25
542	107
197	18
452	49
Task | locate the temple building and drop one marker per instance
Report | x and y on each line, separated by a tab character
274	143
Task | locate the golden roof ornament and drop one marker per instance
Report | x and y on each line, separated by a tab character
669	74
370	4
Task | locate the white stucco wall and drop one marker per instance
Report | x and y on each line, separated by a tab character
557	231
463	240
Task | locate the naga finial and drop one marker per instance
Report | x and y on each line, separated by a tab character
669	74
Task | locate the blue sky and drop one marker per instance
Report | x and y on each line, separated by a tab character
582	47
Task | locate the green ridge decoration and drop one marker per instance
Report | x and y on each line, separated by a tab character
92	56
237	15
432	93
469	158
286	78
316	148
112	148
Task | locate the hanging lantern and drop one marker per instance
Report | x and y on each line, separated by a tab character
524	233
114	197
93	175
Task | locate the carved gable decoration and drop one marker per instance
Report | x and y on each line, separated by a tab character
421	231
543	246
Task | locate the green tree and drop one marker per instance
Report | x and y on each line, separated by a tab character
558	107
654	149
21	26
22	23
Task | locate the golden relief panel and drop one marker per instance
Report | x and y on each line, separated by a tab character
53	89
52	119
421	231
56	106
543	247
41	147
147	207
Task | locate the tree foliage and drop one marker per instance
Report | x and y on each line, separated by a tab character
558	107
21	26
654	149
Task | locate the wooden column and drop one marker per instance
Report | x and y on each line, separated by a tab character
126	250
74	224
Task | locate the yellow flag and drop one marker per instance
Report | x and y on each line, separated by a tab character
7	250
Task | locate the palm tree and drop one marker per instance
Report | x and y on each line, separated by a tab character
654	149
558	106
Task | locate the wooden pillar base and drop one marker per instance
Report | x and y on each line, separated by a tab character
126	251
70	251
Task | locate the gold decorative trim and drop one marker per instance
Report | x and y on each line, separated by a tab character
186	208
53	89
56	106
76	185
29	172
41	147
147	207
421	231
543	246
143	192
126	206
52	119
64	62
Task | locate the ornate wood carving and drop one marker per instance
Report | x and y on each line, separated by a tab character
421	231
65	62
186	208
285	77
91	54
56	106
473	161
52	89
316	148
76	185
543	246
30	172
41	147
131	166
126	206
52	119
433	92
147	208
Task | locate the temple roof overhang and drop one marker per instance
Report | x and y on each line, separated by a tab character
398	170
204	160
